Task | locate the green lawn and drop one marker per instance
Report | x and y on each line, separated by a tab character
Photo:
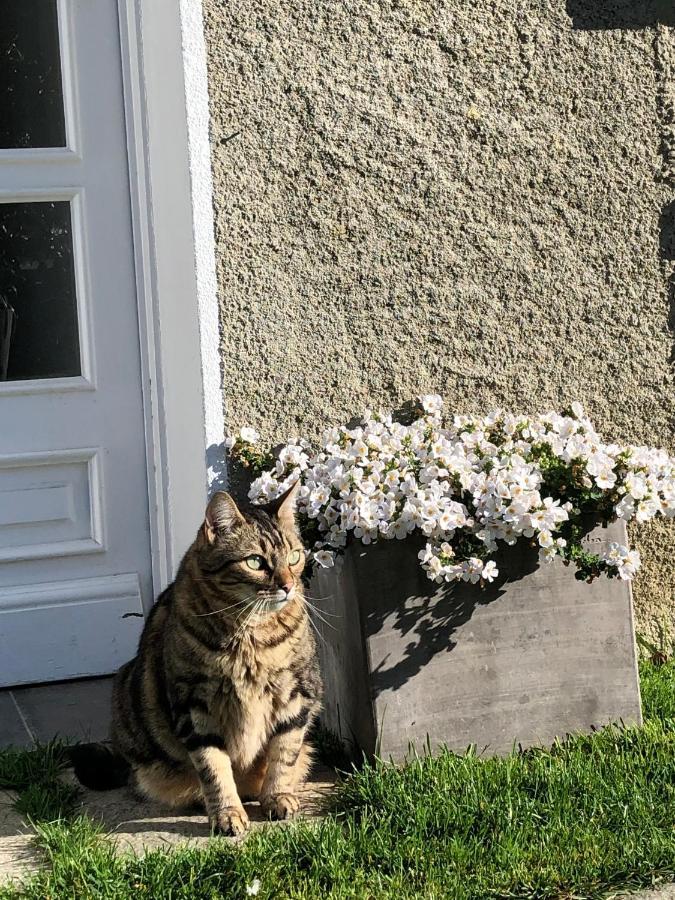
589	818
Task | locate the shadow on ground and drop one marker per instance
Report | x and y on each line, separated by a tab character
140	825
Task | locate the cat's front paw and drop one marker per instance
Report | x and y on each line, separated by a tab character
232	821
280	806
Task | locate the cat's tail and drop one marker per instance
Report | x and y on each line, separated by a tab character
99	767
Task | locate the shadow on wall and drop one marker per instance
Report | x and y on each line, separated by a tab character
667	250
216	465
600	15
430	616
667	233
597	15
226	474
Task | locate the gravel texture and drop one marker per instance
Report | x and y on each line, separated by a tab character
470	198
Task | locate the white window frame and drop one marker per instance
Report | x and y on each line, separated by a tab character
167	114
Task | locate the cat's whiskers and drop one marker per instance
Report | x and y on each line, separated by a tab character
318	633
316	612
236	605
239	633
255	607
325	612
318	599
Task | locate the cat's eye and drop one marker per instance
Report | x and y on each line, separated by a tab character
294	557
254	562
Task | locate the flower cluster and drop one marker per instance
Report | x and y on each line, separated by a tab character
468	484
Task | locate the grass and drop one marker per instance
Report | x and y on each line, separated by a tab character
42	795
588	818
657	687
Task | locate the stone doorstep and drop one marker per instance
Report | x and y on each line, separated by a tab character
135	825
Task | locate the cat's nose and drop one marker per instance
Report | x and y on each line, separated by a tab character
285	581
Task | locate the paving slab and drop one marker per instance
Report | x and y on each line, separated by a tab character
18	855
73	710
13	731
666	892
139	825
135	825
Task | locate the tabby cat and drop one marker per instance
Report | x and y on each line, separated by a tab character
216	705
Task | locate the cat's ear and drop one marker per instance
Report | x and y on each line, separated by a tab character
222	514
284	506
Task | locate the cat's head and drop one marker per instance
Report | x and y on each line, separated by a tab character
253	557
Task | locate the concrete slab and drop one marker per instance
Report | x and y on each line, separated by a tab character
13	731
134	825
139	826
75	710
18	855
666	892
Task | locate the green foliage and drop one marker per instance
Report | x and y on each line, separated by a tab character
252	458
591	506
35	774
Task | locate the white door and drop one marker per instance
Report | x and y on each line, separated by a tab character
75	571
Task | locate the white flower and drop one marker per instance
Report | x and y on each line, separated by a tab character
547	554
629	565
384	480
545	539
230	442
249	435
605	479
625	508
646	509
636	485
490	571
253	888
426	554
324	558
431	403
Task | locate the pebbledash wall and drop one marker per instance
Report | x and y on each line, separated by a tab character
458	197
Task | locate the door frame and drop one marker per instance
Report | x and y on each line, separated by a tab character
167	118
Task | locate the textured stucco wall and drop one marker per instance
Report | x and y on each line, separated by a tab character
458	197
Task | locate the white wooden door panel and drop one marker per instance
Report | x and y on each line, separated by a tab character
75	567
60	625
50	505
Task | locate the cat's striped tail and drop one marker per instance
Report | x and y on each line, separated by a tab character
99	767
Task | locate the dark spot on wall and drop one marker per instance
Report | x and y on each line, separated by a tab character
596	15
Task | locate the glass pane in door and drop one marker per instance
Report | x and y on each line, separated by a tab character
31	94
39	335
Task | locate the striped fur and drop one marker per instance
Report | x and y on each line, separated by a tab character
216	704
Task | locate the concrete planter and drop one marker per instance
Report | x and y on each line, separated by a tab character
533	656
